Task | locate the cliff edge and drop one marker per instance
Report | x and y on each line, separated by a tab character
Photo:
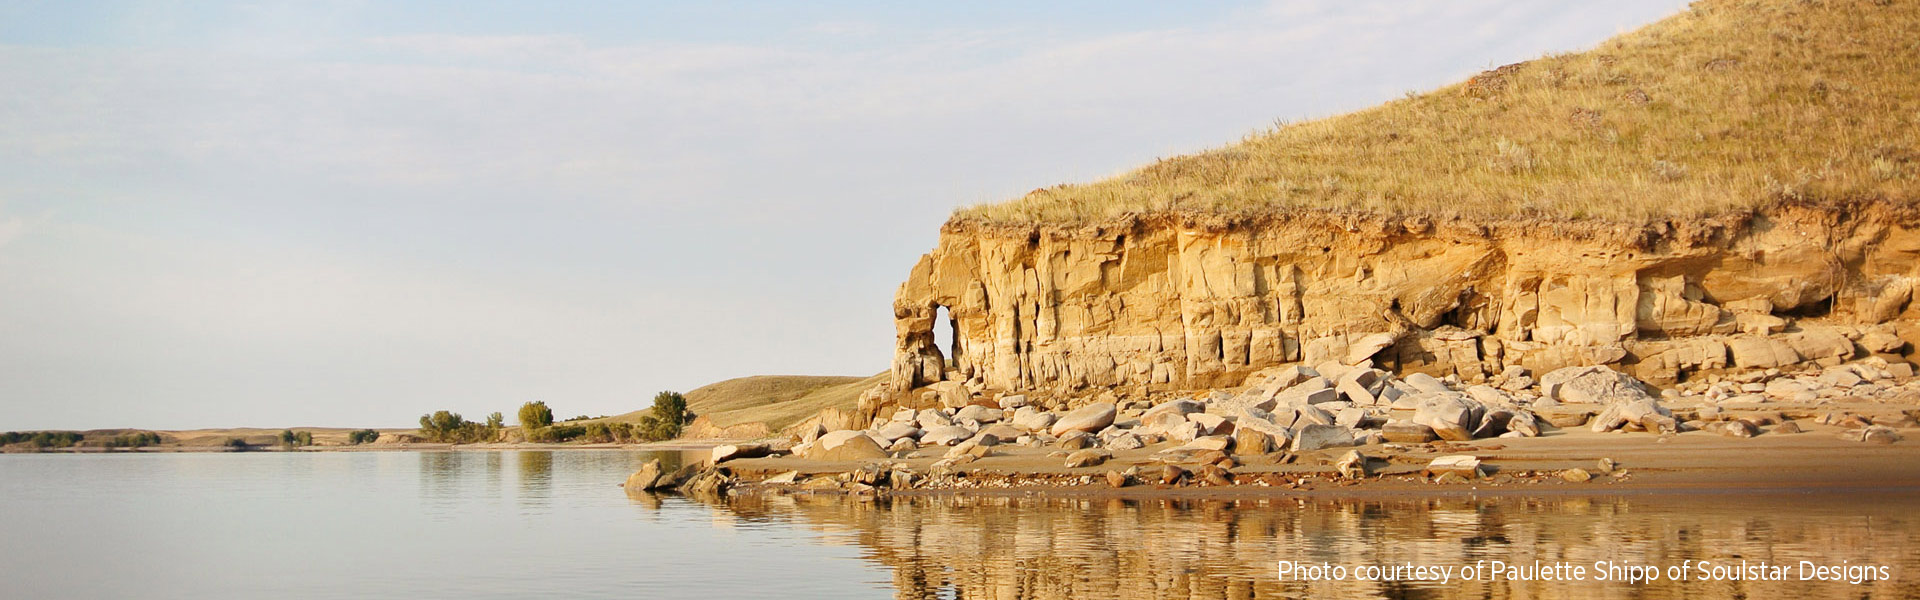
1729	189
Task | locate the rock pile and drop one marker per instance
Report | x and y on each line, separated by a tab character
1338	404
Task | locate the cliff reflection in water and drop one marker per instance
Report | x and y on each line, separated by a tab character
1006	548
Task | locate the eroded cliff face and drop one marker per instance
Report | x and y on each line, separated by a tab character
1173	302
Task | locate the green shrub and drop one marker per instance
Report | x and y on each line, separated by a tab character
534	415
556	433
295	439
238	444
364	436
450	427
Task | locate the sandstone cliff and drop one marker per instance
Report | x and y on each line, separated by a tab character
1730	188
1189	301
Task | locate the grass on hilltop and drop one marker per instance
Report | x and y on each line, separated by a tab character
776	400
1732	104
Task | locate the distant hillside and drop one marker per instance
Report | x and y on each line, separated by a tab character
1729	105
775	400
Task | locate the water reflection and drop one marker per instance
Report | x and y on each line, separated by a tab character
536	477
1001	547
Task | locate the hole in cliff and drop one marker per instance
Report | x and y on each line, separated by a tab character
946	334
1811	310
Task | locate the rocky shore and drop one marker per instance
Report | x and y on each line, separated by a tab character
1339	426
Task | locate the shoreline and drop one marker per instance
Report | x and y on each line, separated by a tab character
678	445
1815	461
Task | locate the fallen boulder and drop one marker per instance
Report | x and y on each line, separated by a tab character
732	451
1352	465
1596	384
1090	418
1316	437
1087	458
1404	432
1463	465
845	444
946	435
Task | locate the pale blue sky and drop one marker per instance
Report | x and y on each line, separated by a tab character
344	213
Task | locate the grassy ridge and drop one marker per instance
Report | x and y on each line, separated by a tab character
1732	104
777	400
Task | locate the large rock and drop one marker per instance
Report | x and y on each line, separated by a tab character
1124	441
1090	418
1352	465
1248	440
1314	390
1591	385
1450	415
1566	416
1316	437
896	430
1087	458
1171	409
951	394
648	478
728	452
1462	465
1368	346
1211	424
1425	383
1357	386
1524	424
1403	432
845	444
978	413
1756	352
1032	419
945	436
930	418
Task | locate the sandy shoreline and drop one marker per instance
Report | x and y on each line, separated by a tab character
1694	462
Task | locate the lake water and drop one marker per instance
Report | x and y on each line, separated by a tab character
556	524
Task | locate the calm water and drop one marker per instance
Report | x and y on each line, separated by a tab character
555	524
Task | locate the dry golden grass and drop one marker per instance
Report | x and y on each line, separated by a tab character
776	400
1732	104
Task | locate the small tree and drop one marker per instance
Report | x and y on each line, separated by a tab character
668	417
495	422
534	415
294	439
364	436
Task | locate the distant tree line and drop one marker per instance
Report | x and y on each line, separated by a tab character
139	439
42	439
666	420
450	427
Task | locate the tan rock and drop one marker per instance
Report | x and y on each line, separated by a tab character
1087	458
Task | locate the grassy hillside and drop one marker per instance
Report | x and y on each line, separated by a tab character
1732	104
777	400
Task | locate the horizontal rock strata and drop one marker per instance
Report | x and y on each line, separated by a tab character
1189	302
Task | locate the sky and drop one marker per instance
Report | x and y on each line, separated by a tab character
221	214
